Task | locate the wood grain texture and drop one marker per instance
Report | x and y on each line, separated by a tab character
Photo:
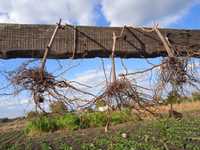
29	41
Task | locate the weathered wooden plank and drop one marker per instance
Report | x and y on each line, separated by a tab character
29	41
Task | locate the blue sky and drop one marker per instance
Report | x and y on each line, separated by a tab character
191	20
168	13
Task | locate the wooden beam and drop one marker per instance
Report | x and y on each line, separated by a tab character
30	41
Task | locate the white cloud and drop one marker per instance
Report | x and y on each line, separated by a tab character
92	76
14	101
12	107
96	79
5	6
144	12
118	12
47	11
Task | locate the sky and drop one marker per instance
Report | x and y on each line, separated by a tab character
167	13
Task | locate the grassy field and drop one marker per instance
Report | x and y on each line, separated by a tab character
182	107
155	134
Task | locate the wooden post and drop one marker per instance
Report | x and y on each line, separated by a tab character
165	43
43	62
114	78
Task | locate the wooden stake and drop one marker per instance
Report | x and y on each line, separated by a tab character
75	42
43	62
114	78
165	43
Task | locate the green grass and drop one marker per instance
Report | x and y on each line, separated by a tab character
42	124
53	123
94	119
125	115
72	121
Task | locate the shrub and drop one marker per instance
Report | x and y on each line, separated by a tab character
99	119
100	103
121	116
3	120
95	119
173	97
45	124
58	107
70	121
84	121
32	114
196	96
89	110
73	121
42	124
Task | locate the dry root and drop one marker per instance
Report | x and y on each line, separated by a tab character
122	93
119	93
34	79
174	70
43	86
175	74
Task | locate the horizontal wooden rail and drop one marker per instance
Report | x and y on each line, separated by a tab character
30	41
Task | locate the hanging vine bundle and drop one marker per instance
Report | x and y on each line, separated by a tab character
43	86
174	70
121	93
33	79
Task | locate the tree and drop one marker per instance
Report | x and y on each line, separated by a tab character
196	96
58	107
100	103
173	97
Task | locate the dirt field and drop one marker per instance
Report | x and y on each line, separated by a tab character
171	135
